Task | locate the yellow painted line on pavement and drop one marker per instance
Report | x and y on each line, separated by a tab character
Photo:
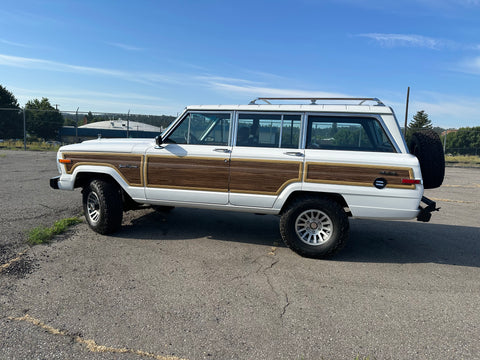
91	345
8	264
473	186
454	201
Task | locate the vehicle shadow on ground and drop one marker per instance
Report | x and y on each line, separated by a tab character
370	240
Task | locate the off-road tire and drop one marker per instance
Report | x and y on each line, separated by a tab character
102	205
327	214
427	147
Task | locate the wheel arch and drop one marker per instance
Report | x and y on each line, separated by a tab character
313	194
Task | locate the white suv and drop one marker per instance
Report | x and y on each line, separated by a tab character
313	164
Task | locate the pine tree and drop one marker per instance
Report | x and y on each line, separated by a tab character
420	121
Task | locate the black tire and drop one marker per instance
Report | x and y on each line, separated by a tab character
427	147
323	235
102	205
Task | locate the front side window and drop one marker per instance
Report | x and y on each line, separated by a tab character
202	129
347	133
268	130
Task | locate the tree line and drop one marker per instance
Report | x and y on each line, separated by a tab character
44	121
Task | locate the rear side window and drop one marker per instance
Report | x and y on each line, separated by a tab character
347	133
268	130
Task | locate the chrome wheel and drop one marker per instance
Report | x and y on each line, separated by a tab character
314	227
93	207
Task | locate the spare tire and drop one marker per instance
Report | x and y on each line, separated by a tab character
427	147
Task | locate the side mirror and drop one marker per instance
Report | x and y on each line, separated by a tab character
158	141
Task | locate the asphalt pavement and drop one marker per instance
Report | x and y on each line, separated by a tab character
199	284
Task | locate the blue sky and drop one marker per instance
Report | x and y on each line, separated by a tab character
156	57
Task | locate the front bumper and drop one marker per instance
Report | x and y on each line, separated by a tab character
54	182
426	212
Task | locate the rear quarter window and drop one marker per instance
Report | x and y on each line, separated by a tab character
347	133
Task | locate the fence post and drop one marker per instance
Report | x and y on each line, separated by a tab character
445	141
24	131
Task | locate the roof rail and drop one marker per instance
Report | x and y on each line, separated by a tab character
313	100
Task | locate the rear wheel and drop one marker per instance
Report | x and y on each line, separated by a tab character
314	227
102	205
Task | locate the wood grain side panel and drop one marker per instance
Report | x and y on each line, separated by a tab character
349	174
263	177
187	173
130	167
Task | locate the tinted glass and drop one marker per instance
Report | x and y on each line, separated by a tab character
347	133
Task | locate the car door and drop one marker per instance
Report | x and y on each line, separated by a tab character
192	163
266	158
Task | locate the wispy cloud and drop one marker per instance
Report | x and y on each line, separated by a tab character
470	66
255	91
405	40
13	43
125	46
54	66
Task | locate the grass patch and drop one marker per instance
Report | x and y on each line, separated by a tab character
31	145
463	160
43	235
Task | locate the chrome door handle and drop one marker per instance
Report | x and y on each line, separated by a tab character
293	153
223	150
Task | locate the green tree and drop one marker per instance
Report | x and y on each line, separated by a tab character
420	121
43	120
11	121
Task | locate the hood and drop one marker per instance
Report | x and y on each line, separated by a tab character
110	145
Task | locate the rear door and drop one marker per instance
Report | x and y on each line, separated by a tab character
266	157
192	165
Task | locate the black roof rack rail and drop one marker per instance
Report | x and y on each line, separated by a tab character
313	100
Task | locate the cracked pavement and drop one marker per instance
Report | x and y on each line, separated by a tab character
197	284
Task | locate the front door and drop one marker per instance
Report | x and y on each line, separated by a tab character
192	165
266	158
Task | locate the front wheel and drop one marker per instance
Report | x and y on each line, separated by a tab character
314	227
102	205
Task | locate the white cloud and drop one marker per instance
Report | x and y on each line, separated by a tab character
12	43
48	65
405	40
125	46
470	66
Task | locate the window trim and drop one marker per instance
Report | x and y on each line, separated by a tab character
282	115
187	113
376	117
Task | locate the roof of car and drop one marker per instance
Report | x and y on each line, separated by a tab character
333	108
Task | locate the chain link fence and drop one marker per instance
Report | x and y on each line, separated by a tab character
24	127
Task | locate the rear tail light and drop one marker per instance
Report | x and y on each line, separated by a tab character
411	181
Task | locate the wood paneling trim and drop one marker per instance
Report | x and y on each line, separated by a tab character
189	173
129	167
357	175
266	177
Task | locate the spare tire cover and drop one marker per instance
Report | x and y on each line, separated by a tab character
427	147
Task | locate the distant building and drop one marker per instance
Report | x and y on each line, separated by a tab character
446	132
108	129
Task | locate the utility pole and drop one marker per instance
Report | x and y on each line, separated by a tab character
24	131
76	125
128	123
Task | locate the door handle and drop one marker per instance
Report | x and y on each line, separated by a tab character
293	153
226	151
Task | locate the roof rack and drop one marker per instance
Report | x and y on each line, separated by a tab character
313	100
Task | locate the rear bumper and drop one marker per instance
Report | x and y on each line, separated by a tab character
54	182
426	212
